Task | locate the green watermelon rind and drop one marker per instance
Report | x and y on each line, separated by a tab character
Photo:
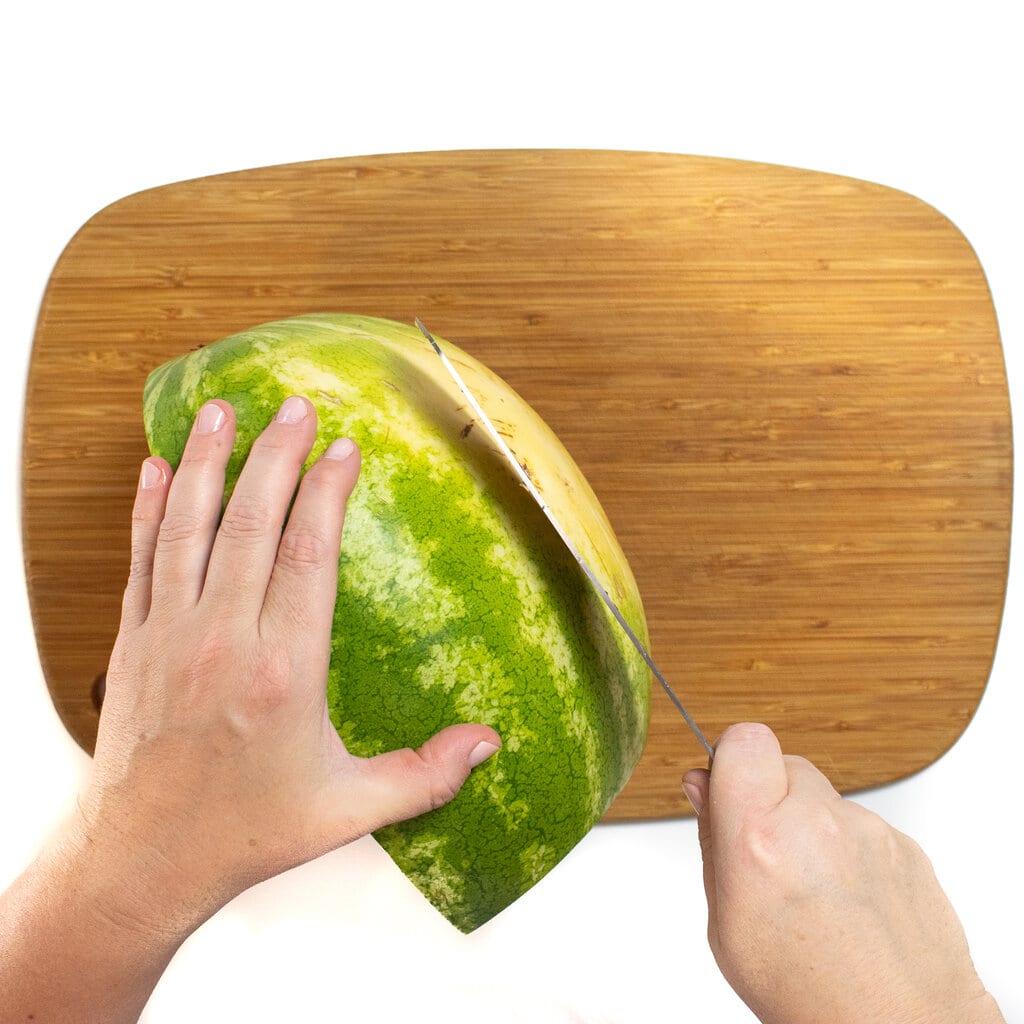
457	602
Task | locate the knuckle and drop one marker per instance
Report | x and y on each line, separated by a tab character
824	828
202	452
303	549
197	665
141	567
178	527
894	847
323	475
144	514
426	777
212	650
761	844
268	686
442	789
271	442
245	520
441	785
322	487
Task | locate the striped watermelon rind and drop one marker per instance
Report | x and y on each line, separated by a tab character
457	602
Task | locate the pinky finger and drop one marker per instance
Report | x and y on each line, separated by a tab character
147	514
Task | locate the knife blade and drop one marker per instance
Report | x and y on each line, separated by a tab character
528	483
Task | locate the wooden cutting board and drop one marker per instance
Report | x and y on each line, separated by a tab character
786	388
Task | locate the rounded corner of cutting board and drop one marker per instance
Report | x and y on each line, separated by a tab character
812	360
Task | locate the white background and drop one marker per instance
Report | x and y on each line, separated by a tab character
101	100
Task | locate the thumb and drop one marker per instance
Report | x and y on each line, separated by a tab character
406	783
697	785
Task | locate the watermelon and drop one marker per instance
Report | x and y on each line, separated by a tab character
457	601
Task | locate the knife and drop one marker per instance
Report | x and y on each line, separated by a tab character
524	478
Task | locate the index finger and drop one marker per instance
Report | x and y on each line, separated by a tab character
748	776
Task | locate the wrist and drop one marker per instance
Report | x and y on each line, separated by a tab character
77	942
129	888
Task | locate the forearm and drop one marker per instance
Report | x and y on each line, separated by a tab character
73	945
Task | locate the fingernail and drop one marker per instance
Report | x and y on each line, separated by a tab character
481	752
340	449
693	794
151	476
293	410
211	418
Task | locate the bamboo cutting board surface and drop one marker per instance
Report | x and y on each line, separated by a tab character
786	388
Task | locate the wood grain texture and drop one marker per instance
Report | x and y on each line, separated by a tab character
786	388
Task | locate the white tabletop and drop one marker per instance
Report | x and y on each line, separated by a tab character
105	99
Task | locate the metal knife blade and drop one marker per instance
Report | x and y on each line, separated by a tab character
524	478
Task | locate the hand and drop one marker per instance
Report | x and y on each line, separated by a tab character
817	909
216	763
